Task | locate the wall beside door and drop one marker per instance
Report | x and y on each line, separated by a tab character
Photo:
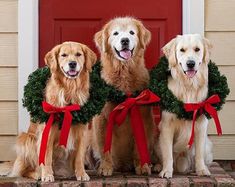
8	78
220	30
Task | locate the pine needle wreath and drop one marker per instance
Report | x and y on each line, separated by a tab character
217	84
117	96
34	95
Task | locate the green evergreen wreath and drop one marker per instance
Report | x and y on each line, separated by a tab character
117	96
217	84
34	95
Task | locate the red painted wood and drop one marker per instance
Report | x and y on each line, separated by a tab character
73	20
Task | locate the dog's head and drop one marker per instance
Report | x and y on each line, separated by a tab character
122	37
189	52
70	59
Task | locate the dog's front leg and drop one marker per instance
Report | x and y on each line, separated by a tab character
166	144
200	140
81	147
106	162
140	170
47	174
146	111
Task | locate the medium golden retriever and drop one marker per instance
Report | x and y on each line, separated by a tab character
70	64
122	42
188	57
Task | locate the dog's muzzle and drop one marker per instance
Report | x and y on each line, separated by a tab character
72	72
191	71
125	53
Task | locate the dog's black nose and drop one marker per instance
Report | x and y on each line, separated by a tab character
190	63
125	41
72	64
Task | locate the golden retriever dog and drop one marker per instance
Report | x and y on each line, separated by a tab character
70	64
188	57
122	42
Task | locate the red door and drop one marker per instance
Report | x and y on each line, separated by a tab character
74	20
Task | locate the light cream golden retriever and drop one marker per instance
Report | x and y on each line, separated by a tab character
188	57
70	64
122	42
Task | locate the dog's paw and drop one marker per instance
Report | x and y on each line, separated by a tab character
105	169
34	175
83	177
144	170
203	172
157	168
166	174
47	178
182	165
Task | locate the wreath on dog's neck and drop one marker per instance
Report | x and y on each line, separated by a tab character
118	96
34	95
217	84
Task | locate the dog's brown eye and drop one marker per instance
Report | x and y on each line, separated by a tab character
196	49
64	55
132	32
182	50
115	33
78	54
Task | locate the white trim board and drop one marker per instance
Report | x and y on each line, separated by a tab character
193	22
28	52
193	17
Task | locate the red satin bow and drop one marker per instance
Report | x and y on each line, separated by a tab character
118	116
64	130
205	105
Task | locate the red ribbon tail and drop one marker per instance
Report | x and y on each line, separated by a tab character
139	135
218	126
190	143
44	140
65	128
214	114
109	132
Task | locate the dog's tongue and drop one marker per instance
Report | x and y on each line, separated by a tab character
72	72
126	54
190	73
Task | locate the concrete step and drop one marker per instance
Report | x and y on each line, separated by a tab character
219	177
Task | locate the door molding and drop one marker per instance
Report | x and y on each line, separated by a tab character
193	16
28	42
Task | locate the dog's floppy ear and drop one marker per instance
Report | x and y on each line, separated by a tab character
101	39
90	57
207	49
51	58
144	35
169	50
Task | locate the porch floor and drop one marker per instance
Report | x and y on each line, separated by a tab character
219	177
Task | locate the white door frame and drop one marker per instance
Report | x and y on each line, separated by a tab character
27	52
28	34
193	17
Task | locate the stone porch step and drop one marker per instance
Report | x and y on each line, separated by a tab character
219	178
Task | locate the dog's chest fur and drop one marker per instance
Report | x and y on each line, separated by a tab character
66	92
192	90
125	77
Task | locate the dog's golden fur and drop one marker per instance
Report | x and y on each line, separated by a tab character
175	133
126	76
60	91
